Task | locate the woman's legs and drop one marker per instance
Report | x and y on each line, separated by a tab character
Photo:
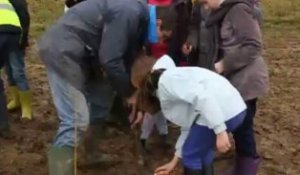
244	136
247	160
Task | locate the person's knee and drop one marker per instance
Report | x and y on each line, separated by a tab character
70	134
83	124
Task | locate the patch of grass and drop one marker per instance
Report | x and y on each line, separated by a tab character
284	13
43	13
277	13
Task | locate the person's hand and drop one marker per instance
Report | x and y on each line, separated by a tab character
223	142
187	48
219	66
131	103
168	168
136	120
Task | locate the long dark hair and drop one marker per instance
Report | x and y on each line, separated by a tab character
147	99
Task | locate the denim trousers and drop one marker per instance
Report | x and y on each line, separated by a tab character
9	42
76	108
15	70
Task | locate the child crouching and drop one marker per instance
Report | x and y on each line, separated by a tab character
204	104
148	124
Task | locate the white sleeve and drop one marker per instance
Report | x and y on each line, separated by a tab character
202	101
180	141
209	109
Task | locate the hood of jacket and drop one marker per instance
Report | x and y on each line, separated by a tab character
218	15
164	62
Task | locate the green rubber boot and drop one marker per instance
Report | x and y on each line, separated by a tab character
61	161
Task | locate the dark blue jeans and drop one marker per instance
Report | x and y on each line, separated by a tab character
244	136
15	70
9	42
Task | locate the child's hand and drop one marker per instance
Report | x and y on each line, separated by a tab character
187	48
137	120
167	168
223	142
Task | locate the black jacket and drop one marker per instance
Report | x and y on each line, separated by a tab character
180	33
22	11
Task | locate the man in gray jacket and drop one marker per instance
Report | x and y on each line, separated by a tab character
94	42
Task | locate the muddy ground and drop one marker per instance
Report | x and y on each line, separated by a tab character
277	123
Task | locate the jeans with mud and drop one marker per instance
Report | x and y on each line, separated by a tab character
74	108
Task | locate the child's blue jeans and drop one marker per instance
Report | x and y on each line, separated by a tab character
15	70
198	149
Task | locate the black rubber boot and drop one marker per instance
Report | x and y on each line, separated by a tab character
144	144
188	171
4	126
209	169
5	131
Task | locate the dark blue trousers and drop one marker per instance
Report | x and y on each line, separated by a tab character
244	136
198	149
9	42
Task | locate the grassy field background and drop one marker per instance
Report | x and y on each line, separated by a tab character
277	124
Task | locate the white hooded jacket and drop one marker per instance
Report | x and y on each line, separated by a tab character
191	95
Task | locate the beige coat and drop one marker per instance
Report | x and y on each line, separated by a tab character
241	45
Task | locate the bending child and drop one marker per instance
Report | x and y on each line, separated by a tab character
204	104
